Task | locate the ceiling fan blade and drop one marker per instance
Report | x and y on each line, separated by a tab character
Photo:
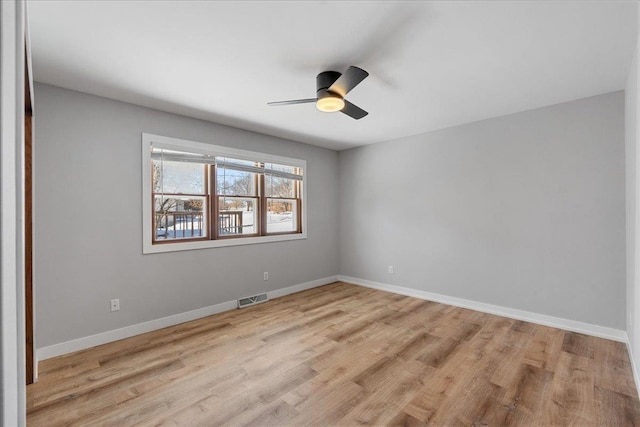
353	111
350	79
292	102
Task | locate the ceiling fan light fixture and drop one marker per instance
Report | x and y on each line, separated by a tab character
330	103
332	87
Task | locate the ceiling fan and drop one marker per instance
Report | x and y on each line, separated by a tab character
331	90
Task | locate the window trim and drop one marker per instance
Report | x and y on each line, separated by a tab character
148	247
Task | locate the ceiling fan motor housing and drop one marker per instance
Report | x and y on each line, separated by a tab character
324	80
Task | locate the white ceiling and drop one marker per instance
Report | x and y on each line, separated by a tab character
431	64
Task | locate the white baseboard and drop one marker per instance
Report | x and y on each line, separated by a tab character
302	287
152	325
541	319
632	360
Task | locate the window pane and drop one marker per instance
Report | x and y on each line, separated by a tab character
237	215
180	217
282	216
235	183
178	177
276	186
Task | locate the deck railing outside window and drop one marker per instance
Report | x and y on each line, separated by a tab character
176	225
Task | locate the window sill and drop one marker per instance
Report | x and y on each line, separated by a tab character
149	248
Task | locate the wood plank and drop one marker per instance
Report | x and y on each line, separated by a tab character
440	355
611	366
526	395
329	405
616	409
578	344
276	413
477	403
572	398
544	348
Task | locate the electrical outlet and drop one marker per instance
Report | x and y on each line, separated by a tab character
266	275
391	269
115	304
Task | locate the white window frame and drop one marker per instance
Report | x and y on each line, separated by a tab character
215	150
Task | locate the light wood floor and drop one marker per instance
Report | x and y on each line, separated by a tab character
342	355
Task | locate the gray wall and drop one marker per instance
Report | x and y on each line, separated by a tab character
525	211
88	221
632	199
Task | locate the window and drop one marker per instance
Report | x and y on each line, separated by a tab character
282	195
202	196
